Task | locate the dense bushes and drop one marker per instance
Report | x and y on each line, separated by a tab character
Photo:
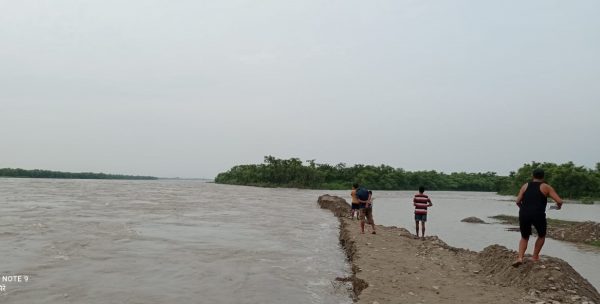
292	172
569	180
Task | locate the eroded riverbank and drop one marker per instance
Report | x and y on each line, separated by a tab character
392	266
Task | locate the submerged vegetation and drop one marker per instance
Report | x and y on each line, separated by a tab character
569	180
9	172
572	231
514	220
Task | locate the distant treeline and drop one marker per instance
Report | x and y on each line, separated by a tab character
292	172
9	172
569	180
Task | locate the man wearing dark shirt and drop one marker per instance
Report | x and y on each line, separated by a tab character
532	201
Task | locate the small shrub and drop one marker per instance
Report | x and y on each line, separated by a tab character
587	200
595	243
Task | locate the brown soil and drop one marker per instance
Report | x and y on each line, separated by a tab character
393	267
586	232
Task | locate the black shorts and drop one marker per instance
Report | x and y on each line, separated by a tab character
355	206
538	220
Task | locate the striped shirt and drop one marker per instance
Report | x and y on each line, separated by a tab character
421	202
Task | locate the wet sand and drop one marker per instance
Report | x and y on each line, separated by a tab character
393	267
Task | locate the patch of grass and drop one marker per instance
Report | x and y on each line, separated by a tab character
506	219
587	200
514	220
595	243
561	223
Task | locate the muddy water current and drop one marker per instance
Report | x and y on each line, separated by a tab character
165	241
183	241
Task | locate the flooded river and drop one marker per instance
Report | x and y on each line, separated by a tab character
179	241
90	241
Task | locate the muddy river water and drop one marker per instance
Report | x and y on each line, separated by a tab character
86	241
185	241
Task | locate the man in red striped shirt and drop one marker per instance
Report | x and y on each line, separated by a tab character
421	203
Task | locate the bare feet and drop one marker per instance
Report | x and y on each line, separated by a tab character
535	258
517	263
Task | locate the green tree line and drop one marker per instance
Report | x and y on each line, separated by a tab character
569	180
9	172
274	172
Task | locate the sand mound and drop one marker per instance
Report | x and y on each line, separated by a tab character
472	219
551	278
393	267
337	205
585	232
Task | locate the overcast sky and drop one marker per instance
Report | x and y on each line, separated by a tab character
191	88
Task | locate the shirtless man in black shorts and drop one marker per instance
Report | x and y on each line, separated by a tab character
532	201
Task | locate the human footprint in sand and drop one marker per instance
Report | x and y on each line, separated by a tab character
532	200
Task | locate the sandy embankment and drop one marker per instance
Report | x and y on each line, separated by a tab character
392	267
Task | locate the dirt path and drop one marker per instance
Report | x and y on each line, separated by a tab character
393	267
